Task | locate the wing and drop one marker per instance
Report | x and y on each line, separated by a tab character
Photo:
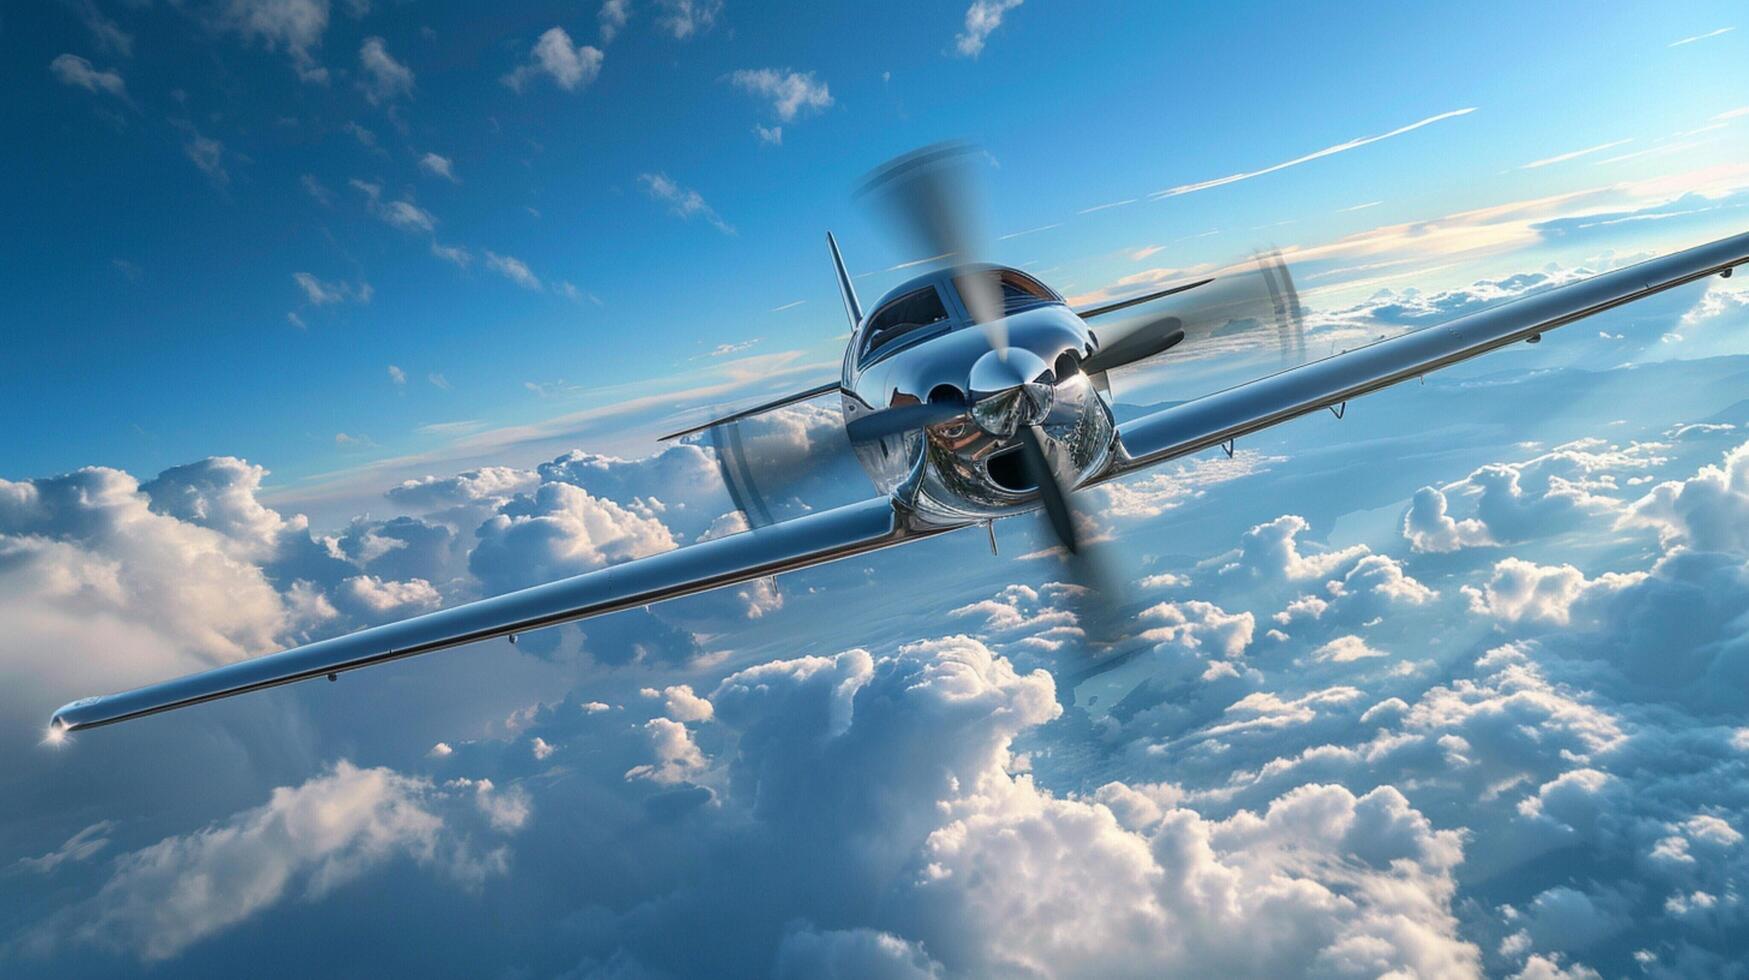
810	540
1215	419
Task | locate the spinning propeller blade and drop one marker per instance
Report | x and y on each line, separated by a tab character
1221	313
901	419
932	196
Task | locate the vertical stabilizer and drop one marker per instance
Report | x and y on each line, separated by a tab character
852	308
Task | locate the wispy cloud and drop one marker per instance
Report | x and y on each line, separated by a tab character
513	269
682	202
1730	114
1352	144
383	78
439	166
685	19
1575	154
982	19
321	293
70	69
1029	231
1113	204
1359	207
790	92
1700	37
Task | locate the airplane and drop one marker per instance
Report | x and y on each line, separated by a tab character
970	393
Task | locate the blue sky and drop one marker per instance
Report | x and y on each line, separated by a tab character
321	314
168	288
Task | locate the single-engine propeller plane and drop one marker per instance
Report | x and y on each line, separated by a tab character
971	393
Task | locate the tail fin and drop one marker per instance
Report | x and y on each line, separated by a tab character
852	307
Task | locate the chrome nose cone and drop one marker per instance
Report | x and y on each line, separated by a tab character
1009	389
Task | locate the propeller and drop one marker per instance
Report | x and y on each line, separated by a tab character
901	419
932	196
1217	314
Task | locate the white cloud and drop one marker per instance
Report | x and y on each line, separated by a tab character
683	705
403	214
80	847
308	839
678	759
1429	528
385	79
513	269
452	253
554	55
107	34
1700	37
685	19
1525	591
205	153
1709	510
1346	649
439	166
126	594
70	69
296	26
790	92
321	293
490	484
612	18
558	531
682	202
1574	154
982	18
809	954
1272	551
772	134
375	600
397	377
1320	154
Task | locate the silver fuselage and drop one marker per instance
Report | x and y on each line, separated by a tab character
960	470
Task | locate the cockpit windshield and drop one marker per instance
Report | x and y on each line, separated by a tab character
907	313
1019	291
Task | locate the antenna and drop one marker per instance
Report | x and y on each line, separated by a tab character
852	308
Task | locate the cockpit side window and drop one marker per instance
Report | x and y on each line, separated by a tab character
909	312
1019	290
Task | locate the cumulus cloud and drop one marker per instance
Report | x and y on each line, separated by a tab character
678	759
558	531
1272	551
1709	510
982	19
308	839
790	92
125	594
568	65
1521	590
